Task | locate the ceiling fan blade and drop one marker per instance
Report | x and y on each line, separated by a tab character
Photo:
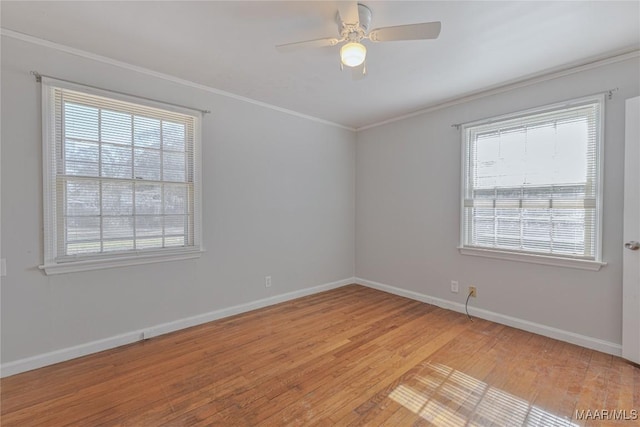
424	31
329	41
359	72
348	11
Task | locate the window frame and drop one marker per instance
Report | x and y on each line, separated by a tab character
533	257
55	263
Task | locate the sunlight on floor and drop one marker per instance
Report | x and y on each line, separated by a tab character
450	398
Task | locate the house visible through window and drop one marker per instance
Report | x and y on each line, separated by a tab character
531	182
121	177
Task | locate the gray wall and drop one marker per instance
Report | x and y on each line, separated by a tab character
298	200
278	196
408	201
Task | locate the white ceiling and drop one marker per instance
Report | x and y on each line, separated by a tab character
230	46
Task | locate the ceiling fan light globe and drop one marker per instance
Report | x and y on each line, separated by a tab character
353	54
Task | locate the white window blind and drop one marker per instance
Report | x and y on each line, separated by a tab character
121	177
532	182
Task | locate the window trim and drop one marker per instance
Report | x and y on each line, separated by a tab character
577	263
53	265
530	257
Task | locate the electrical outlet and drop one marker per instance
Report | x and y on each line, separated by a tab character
473	291
454	286
267	281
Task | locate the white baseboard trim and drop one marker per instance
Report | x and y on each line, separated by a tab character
536	328
45	359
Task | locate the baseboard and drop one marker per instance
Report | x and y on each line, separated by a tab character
165	328
41	360
536	328
57	356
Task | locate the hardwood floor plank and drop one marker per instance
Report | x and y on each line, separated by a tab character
378	402
442	388
348	356
421	390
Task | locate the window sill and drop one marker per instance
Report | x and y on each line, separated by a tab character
119	261
580	264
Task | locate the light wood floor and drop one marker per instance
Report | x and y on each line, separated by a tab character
348	356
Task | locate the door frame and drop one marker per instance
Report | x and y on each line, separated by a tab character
631	258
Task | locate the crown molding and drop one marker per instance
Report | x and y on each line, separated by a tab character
549	74
125	65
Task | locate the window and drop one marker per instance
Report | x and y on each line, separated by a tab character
121	179
532	185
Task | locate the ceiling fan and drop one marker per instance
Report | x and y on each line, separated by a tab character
353	21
